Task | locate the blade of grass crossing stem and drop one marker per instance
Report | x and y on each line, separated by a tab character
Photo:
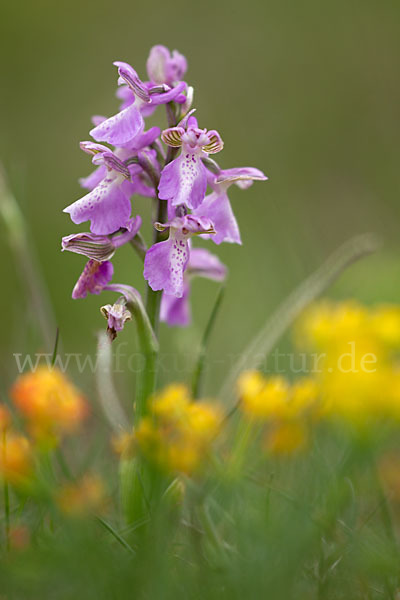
115	534
199	369
312	287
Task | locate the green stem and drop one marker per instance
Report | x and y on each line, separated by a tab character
149	346
139	245
153	299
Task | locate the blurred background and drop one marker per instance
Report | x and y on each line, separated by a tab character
306	91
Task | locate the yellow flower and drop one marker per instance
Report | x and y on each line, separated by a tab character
122	444
263	398
49	402
385	322
16	459
358	378
326	324
304	395
172	402
178	434
286	438
85	497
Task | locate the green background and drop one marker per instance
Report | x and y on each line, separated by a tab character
307	91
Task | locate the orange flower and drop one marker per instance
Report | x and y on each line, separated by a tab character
49	402
5	418
20	537
82	498
16	459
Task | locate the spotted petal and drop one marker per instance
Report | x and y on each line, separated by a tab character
164	265
184	181
107	208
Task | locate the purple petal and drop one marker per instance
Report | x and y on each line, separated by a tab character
156	64
97	247
93	180
97	119
164	265
92	148
242	176
184	181
176	311
217	208
145	139
172	94
133	226
125	94
203	263
162	67
95	276
129	76
117	315
121	128
107	208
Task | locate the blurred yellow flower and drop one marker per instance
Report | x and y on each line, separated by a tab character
286	437
122	444
178	434
16	459
358	375
263	398
49	402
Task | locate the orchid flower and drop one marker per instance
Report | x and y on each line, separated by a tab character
176	311
94	278
164	66
216	206
184	180
136	185
123	127
117	315
107	206
166	262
